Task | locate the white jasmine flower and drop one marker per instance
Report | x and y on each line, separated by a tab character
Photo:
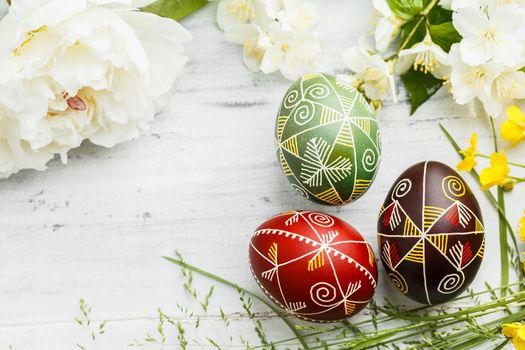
272	43
426	57
491	35
387	25
301	15
506	86
249	36
446	4
291	53
80	70
234	12
372	72
498	3
470	82
4	7
456	5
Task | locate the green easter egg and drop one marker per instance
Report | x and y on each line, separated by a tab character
327	139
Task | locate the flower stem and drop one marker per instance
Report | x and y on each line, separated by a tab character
422	17
503	301
517	179
510	163
504	246
494	202
237	287
384	319
503	243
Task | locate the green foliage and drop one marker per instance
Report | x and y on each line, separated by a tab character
247	304
406	9
393	327
422	18
413	32
386	326
175	9
439	15
84	321
420	87
518	265
444	35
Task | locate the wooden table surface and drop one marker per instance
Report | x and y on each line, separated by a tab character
200	181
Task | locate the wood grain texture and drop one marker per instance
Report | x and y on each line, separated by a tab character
200	181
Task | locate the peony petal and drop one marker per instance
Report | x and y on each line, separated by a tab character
162	40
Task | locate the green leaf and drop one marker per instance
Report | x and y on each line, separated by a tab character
406	9
175	9
413	31
439	15
444	35
420	87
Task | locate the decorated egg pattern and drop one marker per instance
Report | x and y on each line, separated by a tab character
430	233
327	140
315	266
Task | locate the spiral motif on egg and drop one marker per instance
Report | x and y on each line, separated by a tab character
317	91
451	283
369	160
323	294
291	99
453	187
303	113
321	219
402	188
399	281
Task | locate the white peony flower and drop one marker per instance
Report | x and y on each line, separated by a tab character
426	57
372	72
387	25
490	35
81	69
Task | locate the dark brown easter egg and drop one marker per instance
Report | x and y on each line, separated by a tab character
430	233
313	265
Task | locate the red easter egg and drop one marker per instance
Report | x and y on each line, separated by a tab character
313	265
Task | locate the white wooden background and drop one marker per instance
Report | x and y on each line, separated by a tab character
200	181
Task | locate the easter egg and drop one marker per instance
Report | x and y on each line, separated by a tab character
314	265
430	233
327	140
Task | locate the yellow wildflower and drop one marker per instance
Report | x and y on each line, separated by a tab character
469	162
497	173
516	331
513	129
